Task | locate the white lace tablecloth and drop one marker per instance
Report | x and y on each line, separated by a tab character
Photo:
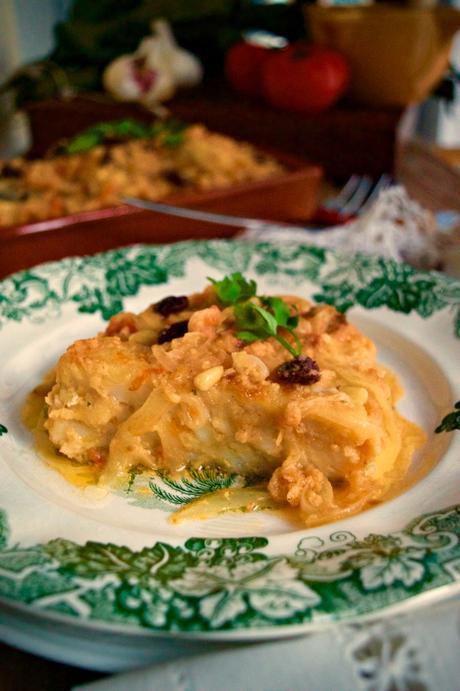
395	227
415	652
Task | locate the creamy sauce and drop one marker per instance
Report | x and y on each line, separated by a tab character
82	475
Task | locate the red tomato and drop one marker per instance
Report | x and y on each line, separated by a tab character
243	67
305	78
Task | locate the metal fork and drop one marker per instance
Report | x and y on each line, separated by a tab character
355	198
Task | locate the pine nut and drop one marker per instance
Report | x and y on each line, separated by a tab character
205	380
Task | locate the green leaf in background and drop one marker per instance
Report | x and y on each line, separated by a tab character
83	142
95	33
169	133
451	421
174	139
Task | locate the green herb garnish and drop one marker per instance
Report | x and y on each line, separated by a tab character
257	321
449	422
234	288
170	133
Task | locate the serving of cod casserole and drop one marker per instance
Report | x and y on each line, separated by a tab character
274	389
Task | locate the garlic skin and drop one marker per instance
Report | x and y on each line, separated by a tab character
186	68
155	59
118	80
152	74
127	79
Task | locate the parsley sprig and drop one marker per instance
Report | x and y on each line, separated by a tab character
234	288
170	133
257	320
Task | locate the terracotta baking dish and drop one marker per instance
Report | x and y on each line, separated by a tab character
289	197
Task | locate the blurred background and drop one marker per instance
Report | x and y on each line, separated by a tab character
78	38
357	88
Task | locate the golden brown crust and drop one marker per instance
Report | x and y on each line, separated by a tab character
209	399
140	168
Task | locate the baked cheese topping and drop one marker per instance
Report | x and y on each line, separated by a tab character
180	386
35	190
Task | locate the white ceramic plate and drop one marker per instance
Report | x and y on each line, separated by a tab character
114	567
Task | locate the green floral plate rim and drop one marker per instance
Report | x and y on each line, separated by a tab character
231	584
99	283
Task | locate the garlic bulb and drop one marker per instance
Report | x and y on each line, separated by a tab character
152	74
186	68
131	79
118	79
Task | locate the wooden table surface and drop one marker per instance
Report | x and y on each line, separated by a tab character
20	671
432	182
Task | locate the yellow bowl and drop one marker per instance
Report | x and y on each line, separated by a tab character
396	54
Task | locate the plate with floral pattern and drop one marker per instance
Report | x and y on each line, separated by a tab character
112	564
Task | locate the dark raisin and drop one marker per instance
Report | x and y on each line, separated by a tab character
176	330
106	157
260	157
59	148
171	305
175	178
299	370
111	139
9	171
